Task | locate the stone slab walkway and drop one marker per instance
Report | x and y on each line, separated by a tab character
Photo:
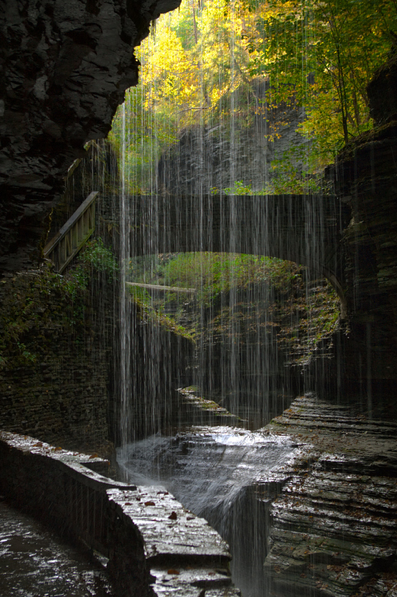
186	556
153	544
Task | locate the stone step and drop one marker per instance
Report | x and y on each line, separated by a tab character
186	582
171	533
185	555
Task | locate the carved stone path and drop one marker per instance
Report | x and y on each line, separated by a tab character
153	544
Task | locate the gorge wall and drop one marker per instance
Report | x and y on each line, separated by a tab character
57	358
64	70
365	178
236	148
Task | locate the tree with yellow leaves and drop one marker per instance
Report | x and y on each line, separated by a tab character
322	55
317	54
191	64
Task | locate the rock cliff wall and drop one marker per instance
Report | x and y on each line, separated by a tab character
56	359
231	149
332	524
366	180
64	69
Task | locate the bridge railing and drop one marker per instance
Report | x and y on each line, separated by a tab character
73	235
163	288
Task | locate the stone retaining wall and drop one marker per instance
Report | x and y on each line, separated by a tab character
55	372
153	544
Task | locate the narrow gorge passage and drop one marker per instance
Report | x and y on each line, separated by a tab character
259	129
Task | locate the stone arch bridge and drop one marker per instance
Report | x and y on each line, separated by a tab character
306	229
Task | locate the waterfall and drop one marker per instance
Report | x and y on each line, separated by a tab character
215	324
225	475
125	309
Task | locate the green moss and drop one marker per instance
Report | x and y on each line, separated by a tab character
237	295
32	303
148	313
96	256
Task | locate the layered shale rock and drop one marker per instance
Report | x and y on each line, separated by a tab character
333	526
217	155
64	69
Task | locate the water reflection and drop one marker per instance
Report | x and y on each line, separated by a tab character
34	563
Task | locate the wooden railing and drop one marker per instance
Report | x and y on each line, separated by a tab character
73	235
163	288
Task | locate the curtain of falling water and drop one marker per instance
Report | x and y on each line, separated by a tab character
233	350
245	374
126	335
104	177
177	213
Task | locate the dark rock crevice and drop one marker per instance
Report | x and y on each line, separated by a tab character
64	70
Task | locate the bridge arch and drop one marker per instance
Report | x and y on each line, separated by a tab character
302	228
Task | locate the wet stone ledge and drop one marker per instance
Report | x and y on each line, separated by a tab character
333	529
154	546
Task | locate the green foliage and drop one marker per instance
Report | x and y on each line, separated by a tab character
216	273
268	293
99	258
321	55
290	178
94	258
150	314
301	316
190	68
293	173
317	54
238	189
35	305
140	133
148	267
